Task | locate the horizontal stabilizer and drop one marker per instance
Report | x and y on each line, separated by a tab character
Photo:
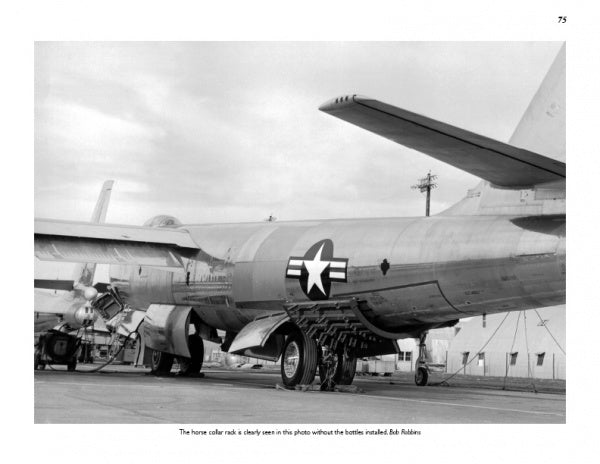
499	163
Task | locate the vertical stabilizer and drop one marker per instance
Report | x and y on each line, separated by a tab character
83	273
99	214
542	130
542	127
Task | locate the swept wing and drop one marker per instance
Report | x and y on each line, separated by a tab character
502	164
111	244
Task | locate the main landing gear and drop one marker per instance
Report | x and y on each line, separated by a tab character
191	366
336	367
161	362
422	371
302	356
299	359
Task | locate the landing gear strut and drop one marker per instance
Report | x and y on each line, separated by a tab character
422	371
336	368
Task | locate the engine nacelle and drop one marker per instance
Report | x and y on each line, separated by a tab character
166	328
83	316
162	220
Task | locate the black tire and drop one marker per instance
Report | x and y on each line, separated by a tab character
299	360
37	361
72	364
193	365
345	369
421	376
348	370
161	362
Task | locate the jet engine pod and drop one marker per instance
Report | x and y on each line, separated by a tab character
162	220
85	316
82	317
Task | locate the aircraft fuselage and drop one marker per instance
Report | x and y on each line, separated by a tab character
411	271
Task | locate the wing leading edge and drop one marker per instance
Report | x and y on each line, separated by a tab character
501	164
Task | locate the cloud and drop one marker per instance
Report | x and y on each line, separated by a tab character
231	132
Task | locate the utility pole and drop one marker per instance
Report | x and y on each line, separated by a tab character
426	184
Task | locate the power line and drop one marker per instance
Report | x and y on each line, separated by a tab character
542	322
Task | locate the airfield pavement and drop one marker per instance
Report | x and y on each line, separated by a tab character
129	395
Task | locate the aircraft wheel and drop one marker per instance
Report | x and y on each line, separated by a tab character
348	370
421	377
37	362
344	369
192	366
71	366
161	362
299	360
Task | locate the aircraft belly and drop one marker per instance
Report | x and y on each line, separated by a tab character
409	305
229	318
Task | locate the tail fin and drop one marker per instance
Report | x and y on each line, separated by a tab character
99	215
83	273
542	127
541	130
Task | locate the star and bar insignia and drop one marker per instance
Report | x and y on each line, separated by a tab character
317	269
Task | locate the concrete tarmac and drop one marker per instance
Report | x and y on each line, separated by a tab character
126	395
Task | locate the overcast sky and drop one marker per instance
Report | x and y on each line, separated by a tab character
230	131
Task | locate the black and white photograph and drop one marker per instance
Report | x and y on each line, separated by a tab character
256	230
315	239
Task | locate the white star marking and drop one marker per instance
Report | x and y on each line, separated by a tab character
315	268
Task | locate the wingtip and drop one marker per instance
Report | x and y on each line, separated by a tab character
338	102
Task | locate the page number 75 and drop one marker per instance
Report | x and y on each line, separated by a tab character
562	19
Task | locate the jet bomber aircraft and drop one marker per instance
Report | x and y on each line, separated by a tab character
321	293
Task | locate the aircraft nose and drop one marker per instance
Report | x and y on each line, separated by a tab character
336	103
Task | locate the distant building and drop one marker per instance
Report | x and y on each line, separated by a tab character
512	351
458	347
